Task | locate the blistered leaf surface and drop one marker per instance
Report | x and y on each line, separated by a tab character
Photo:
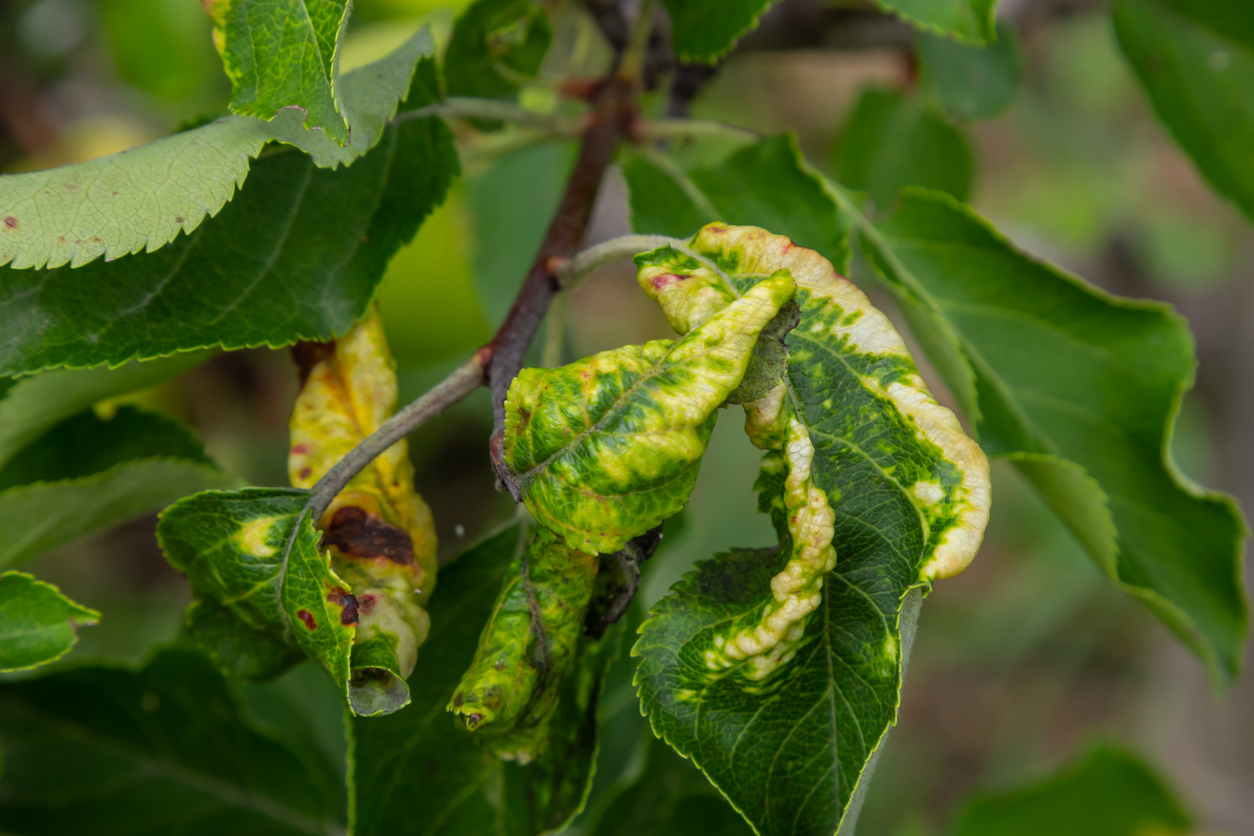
141	199
606	448
37	623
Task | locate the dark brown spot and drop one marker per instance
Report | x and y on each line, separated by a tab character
95	240
180	220
457	700
307	619
365	604
305	472
349	615
358	534
10	222
308	354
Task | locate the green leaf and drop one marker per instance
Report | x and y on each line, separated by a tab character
670	798
143	198
295	256
873	488
604	449
284	53
969	21
766	184
1107	792
971	82
894	140
256	553
467	791
31	405
1201	83
1232	20
37	623
1081	390
86	473
492	34
160	749
705	30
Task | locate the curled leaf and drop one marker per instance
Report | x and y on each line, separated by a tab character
511	690
378	530
604	449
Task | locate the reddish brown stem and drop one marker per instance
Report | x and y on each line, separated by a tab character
611	119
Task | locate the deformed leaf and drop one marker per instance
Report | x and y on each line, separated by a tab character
87	473
873	488
143	198
465	788
37	622
1200	80
494	41
378	530
894	140
1081	389
705	30
158	749
296	255
1107	792
255	553
971	21
284	53
510	692
606	448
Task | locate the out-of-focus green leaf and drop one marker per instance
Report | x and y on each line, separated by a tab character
510	34
1232	20
1105	793
1201	82
466	790
164	47
31	405
254	553
894	140
284	53
143	198
161	749
1080	389
37	622
670	798
971	82
972	21
766	184
85	474
705	30
295	256
507	232
604	449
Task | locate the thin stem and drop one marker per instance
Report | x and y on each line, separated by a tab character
681	128
472	108
465	379
631	68
616	249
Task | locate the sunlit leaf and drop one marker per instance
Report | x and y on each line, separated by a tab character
159	749
141	199
284	53
296	255
37	623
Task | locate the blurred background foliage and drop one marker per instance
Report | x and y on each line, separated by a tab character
1020	661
